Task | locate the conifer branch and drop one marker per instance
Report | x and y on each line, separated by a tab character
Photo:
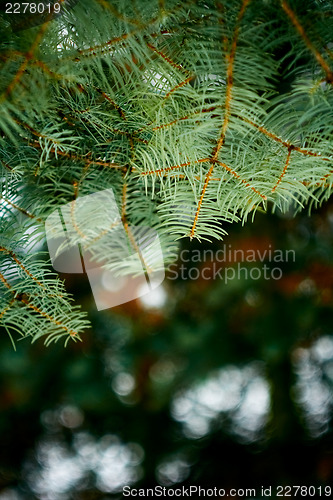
178	86
20	209
50	318
286	144
19	263
180	108
227	112
174	167
196	216
284	170
237	176
230	81
79	159
292	16
7	308
103	48
28	56
186	117
113	103
119	15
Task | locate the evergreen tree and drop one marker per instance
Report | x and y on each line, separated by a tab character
195	113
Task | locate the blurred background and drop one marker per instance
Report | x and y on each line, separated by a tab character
202	383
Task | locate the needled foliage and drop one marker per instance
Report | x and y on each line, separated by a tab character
195	113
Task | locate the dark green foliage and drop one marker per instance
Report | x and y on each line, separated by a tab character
63	410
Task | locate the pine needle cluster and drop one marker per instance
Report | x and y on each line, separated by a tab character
195	113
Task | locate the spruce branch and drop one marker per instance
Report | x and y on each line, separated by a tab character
195	113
